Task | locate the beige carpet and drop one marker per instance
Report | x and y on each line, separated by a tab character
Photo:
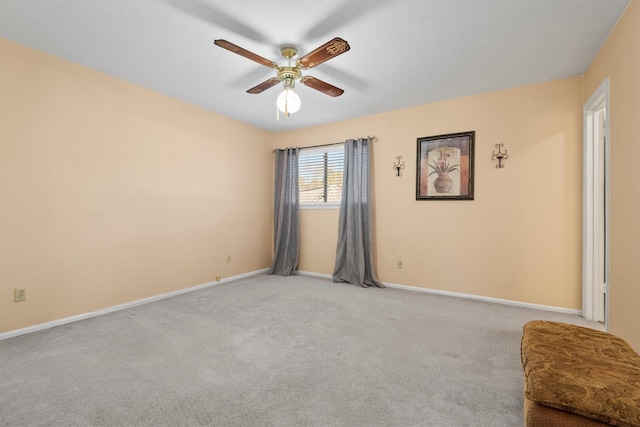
274	351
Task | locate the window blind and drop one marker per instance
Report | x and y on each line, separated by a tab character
320	175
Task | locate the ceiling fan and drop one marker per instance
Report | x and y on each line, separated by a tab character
288	101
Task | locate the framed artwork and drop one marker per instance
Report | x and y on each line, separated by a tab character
445	167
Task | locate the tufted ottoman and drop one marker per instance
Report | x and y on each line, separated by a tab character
575	376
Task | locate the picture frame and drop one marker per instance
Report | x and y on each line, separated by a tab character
445	167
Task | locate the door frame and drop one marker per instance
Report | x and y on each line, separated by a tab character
591	218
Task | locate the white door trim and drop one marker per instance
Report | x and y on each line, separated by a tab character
592	214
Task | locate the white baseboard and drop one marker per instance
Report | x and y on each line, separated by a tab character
466	296
60	322
320	275
488	299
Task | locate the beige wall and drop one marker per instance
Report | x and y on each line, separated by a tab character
111	193
619	60
520	239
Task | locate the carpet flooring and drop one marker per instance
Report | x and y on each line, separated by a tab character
275	351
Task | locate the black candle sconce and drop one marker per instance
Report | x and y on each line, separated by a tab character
398	165
500	156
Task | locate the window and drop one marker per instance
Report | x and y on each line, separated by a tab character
320	176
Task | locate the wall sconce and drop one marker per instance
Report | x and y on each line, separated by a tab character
398	165
500	156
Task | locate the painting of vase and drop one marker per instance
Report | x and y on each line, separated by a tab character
445	167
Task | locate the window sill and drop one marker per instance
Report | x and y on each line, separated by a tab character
321	206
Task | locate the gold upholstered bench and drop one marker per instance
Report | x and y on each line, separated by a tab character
575	376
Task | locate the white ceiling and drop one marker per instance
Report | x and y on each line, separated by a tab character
403	52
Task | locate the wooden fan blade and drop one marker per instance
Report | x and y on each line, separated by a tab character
264	86
244	52
329	50
323	87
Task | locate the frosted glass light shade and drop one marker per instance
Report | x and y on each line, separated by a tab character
288	101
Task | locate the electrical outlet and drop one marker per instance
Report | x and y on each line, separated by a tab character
20	294
228	259
399	263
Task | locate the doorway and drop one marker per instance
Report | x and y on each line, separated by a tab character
595	259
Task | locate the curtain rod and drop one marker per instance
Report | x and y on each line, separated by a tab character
371	137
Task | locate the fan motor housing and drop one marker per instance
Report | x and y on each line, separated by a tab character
288	73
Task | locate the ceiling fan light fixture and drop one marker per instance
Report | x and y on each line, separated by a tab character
288	101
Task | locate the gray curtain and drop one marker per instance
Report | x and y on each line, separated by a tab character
286	247
354	255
